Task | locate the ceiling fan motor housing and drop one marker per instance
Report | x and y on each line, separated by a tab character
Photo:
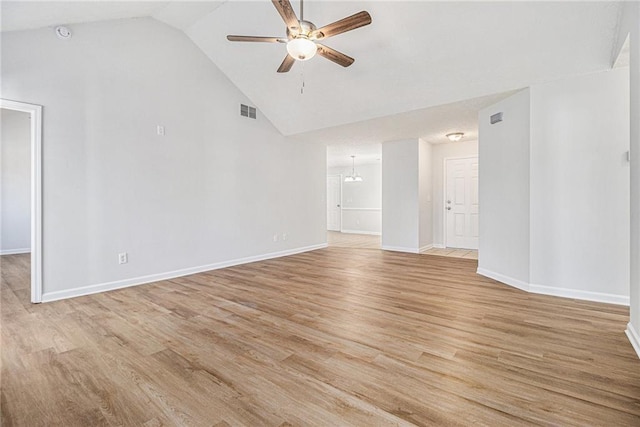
306	28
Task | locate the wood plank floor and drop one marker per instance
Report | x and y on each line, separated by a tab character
331	337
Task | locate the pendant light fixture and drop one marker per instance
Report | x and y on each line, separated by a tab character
354	177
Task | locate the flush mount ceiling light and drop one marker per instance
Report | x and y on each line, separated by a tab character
303	38
63	33
455	137
354	177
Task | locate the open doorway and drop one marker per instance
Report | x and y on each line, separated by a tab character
21	171
354	196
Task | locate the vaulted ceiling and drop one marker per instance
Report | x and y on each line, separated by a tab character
414	56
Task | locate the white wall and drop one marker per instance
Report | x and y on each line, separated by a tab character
400	195
214	190
361	201
440	153
425	190
630	25
574	176
580	184
504	191
15	206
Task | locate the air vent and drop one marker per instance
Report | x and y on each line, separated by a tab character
496	118
246	111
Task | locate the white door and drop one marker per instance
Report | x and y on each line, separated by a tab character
461	203
334	187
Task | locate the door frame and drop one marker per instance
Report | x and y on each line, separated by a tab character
35	113
339	175
444	192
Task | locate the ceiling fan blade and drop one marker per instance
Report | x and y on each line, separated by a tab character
288	15
335	56
349	23
286	64
256	39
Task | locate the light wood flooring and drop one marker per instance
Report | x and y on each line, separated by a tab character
333	337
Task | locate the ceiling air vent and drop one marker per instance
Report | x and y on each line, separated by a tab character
496	118
246	111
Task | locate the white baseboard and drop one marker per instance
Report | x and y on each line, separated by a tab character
554	291
15	251
426	248
119	284
400	249
371	233
439	246
634	338
516	283
579	294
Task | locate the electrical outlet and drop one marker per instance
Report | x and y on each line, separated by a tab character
275	237
123	258
160	130
284	236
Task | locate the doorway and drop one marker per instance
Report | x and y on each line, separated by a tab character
461	203
34	124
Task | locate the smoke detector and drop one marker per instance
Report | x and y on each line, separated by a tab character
63	33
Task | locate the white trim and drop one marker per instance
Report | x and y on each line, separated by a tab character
362	209
372	233
400	249
119	284
554	291
439	246
426	248
516	283
35	112
15	251
579	294
634	338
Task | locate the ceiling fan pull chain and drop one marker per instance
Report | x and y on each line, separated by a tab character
302	77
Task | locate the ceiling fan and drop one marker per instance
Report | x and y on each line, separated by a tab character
303	37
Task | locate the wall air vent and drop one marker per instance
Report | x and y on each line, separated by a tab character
496	118
246	111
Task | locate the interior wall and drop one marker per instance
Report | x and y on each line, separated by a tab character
215	190
425	195
440	153
504	191
15	179
630	25
361	201
400	195
580	184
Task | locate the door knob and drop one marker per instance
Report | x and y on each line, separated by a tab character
449	201
337	206
448	208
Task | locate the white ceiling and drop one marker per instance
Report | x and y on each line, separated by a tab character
429	124
414	56
624	57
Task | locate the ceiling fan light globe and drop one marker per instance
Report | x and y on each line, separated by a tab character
302	48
